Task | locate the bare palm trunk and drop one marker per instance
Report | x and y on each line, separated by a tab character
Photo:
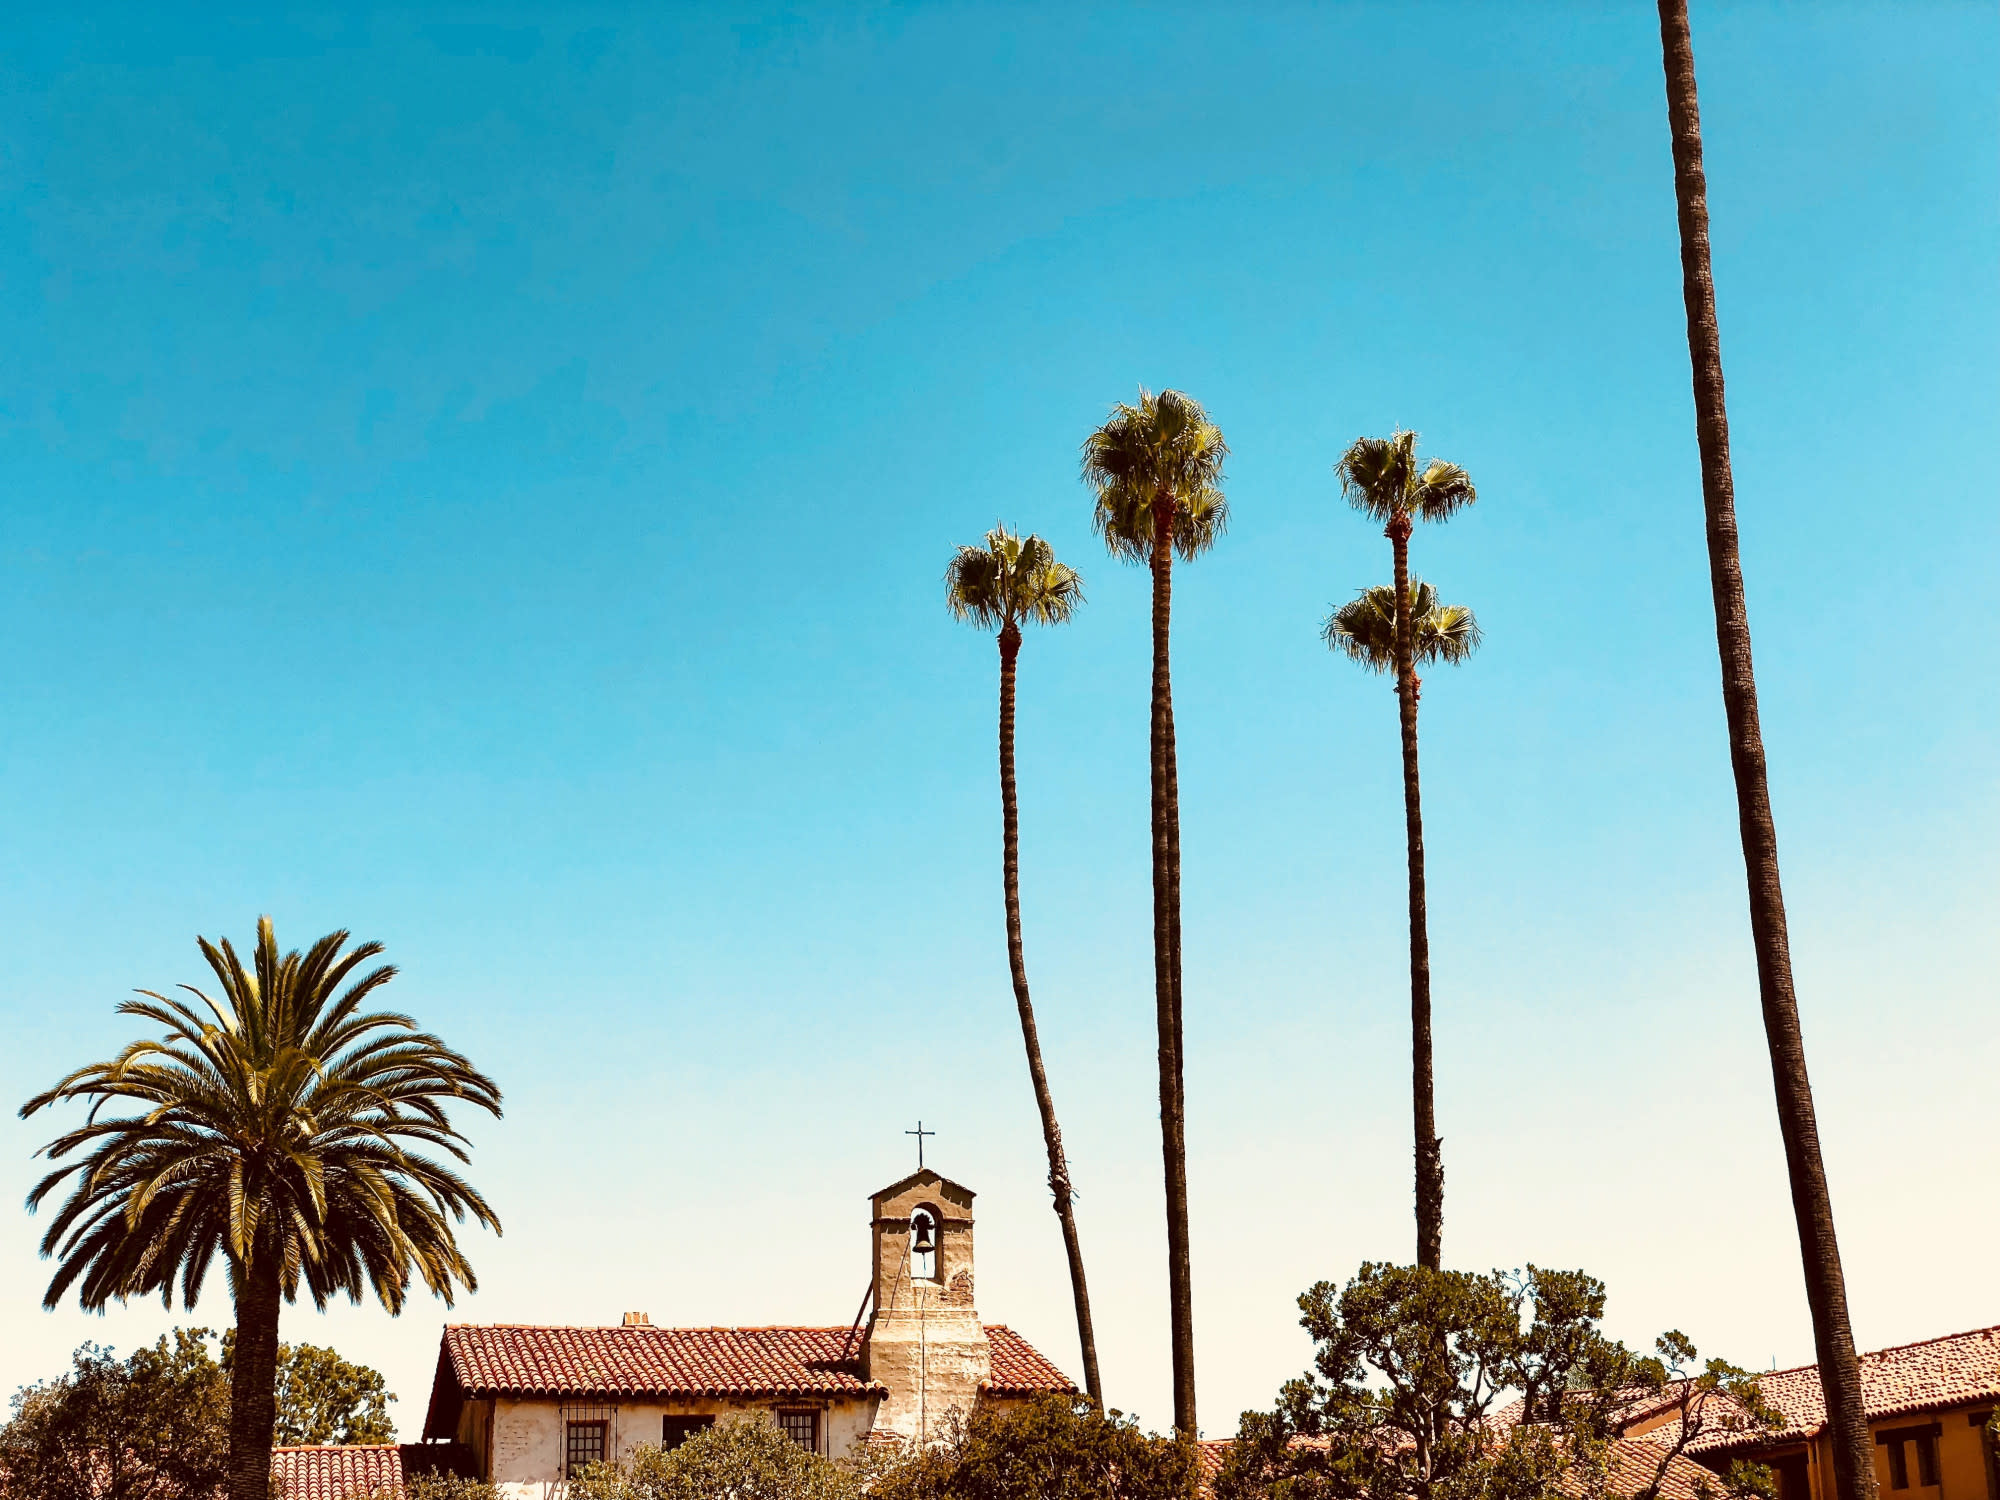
1429	1149
1167	974
1826	1290
1010	864
253	1381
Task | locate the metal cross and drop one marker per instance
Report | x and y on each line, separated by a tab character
920	1133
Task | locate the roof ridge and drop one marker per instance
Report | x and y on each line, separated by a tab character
658	1327
1942	1338
340	1447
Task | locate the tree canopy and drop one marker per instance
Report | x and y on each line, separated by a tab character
155	1425
277	1119
1405	1397
1012	580
1364	629
1163	446
1381	478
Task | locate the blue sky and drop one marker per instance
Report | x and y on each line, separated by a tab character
484	482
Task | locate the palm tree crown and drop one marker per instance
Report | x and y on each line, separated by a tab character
1164	446
1011	580
1380	478
276	1124
1364	629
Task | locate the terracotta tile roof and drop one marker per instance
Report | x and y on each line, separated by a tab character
1960	1369
1019	1369
534	1360
360	1471
530	1360
1209	1454
336	1473
1632	1464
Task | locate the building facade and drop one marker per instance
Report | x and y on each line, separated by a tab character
1929	1405
523	1406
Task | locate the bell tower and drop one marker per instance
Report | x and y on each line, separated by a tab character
925	1341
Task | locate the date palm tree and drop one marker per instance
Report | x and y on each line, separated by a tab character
1812	1204
1010	581
274	1127
1382	479
1155	470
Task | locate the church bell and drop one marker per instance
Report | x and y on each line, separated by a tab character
926	1240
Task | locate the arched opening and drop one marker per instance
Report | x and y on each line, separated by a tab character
926	1237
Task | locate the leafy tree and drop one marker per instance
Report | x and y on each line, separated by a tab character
1705	1399
443	1487
734	1460
1155	470
1057	1446
274	1128
1405	1399
152	1426
1381	478
324	1399
1812	1204
1008	582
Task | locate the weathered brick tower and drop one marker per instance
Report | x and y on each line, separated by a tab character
925	1341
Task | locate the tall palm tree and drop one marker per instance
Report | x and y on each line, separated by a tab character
1009	581
272	1129
1156	472
1812	1205
1381	478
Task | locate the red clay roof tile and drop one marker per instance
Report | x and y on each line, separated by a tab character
533	1360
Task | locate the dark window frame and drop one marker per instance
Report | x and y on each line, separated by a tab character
573	1428
801	1425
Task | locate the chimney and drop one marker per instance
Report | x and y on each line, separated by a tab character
638	1320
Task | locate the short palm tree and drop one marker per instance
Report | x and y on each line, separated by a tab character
1812	1204
1155	470
273	1128
1010	581
1382	478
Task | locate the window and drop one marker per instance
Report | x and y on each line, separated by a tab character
802	1427
1899	1465
1897	1441
677	1430
583	1443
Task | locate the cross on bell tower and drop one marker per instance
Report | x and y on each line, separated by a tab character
920	1133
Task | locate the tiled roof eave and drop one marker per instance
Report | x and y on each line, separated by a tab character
672	1393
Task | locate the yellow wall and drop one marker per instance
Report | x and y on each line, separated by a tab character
1962	1467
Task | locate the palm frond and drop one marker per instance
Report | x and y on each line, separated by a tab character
1380	478
1011	581
286	1123
1364	629
1163	446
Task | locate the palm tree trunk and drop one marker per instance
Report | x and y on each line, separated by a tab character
253	1381
1429	1149
1010	867
1812	1206
1167	974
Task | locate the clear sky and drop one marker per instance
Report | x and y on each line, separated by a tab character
485	484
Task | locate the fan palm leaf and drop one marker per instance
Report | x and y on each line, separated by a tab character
1364	629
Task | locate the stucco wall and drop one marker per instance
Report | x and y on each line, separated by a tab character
1963	1472
528	1435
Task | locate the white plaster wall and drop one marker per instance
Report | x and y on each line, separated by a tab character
528	1435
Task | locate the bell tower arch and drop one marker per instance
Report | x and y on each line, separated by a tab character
925	1341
